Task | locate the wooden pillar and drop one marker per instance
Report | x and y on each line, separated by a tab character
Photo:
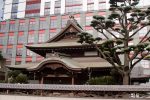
72	79
41	82
42	79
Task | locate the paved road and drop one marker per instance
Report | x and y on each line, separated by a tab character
12	97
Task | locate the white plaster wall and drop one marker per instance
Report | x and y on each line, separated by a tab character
8	1
21	9
7	16
7	8
84	3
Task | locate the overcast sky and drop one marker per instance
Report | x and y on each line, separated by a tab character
1	5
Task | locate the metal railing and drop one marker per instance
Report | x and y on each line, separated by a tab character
56	87
103	91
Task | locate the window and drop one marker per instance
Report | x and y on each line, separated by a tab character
47	11
1	40
14	7
43	24
71	9
90	7
53	23
57	10
31	38
12	27
19	52
90	1
88	20
33	6
52	33
32	25
57	3
11	40
29	53
73	2
2	26
21	26
13	15
145	64
47	4
21	38
101	35
102	5
143	32
42	37
115	33
64	22
9	51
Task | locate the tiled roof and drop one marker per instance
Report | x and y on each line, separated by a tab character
70	63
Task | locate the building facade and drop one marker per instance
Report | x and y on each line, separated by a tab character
29	8
36	21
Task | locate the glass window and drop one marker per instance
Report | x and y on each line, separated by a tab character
88	20
57	10
53	23
145	64
9	51
47	11
1	40
13	15
143	32
19	52
71	9
11	40
29	53
47	4
90	1
64	22
43	24
52	34
14	7
102	5
90	7
33	6
20	39
72	2
32	25
57	3
12	27
21	26
42	37
3	27
31	38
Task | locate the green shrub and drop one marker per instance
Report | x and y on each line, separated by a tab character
17	77
104	80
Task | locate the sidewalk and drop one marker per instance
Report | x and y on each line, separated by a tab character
12	97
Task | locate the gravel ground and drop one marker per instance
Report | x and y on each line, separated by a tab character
13	97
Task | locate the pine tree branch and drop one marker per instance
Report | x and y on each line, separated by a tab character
131	67
118	32
109	60
137	31
143	39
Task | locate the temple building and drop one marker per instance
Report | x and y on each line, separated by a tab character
66	61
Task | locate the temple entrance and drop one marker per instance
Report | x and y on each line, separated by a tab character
56	73
57	80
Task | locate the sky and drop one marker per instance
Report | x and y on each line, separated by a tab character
1	5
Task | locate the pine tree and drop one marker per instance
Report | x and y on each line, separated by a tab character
131	20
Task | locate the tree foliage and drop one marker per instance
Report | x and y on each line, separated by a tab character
127	20
16	76
103	80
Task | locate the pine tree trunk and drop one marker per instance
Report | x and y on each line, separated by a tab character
126	79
